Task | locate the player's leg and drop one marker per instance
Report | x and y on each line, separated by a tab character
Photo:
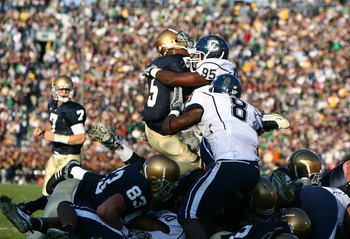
79	221
62	174
50	169
68	221
93	225
55	166
62	192
213	190
173	147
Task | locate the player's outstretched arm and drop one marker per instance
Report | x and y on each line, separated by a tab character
112	141
275	121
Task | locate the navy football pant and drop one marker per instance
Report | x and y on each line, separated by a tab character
91	225
219	185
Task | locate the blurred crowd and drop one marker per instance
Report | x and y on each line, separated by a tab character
292	59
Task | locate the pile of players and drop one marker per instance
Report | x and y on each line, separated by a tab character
205	183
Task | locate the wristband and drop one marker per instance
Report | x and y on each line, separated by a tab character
124	231
60	138
153	72
174	112
124	153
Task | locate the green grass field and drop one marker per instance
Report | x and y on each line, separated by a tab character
18	193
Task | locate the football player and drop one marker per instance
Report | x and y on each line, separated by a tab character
143	225
208	61
173	48
119	193
326	207
231	127
66	131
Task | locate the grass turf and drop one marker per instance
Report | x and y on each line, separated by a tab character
18	193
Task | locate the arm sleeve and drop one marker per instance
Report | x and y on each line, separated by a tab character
135	158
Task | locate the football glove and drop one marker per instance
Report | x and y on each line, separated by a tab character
275	121
105	136
176	101
150	71
191	137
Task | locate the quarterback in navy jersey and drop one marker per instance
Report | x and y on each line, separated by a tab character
66	131
173	48
62	117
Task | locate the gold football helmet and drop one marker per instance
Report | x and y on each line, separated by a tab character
163	174
305	164
262	201
171	39
63	82
298	220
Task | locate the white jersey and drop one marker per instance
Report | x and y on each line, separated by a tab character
229	124
211	68
169	219
343	202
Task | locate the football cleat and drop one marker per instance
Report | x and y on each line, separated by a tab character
21	220
61	175
105	136
55	233
275	121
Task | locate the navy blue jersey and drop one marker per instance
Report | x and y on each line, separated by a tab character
321	207
127	181
61	119
261	230
157	105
